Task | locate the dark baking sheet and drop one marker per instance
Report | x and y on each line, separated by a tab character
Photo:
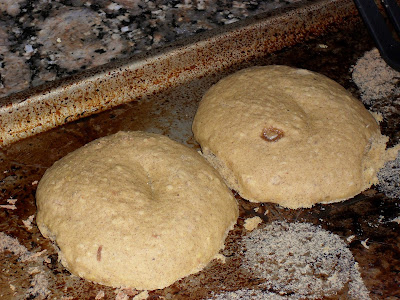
170	112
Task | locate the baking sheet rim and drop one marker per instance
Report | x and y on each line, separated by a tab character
28	113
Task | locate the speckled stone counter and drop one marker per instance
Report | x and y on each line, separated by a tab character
44	40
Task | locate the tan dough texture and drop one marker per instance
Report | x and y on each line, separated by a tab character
136	210
289	136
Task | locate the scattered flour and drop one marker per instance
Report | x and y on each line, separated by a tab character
350	238
127	293
249	295
100	295
397	220
38	283
220	257
142	296
365	243
121	295
377	81
300	260
11	244
8	206
12	201
374	78
28	222
389	178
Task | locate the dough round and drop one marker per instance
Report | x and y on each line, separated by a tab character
136	210
289	136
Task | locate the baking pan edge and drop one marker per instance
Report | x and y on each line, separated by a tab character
31	112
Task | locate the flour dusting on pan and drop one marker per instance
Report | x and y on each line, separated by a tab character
375	79
33	263
246	294
389	178
301	260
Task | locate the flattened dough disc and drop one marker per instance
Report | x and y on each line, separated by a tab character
135	210
289	136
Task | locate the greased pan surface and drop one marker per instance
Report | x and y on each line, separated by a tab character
29	263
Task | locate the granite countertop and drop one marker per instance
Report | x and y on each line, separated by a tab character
43	40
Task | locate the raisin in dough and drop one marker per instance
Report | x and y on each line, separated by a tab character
289	136
135	210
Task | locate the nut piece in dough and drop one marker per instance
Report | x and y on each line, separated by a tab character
289	136
136	210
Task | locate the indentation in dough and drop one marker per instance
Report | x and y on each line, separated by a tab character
271	134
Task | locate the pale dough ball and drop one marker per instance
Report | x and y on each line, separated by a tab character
289	136
136	210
